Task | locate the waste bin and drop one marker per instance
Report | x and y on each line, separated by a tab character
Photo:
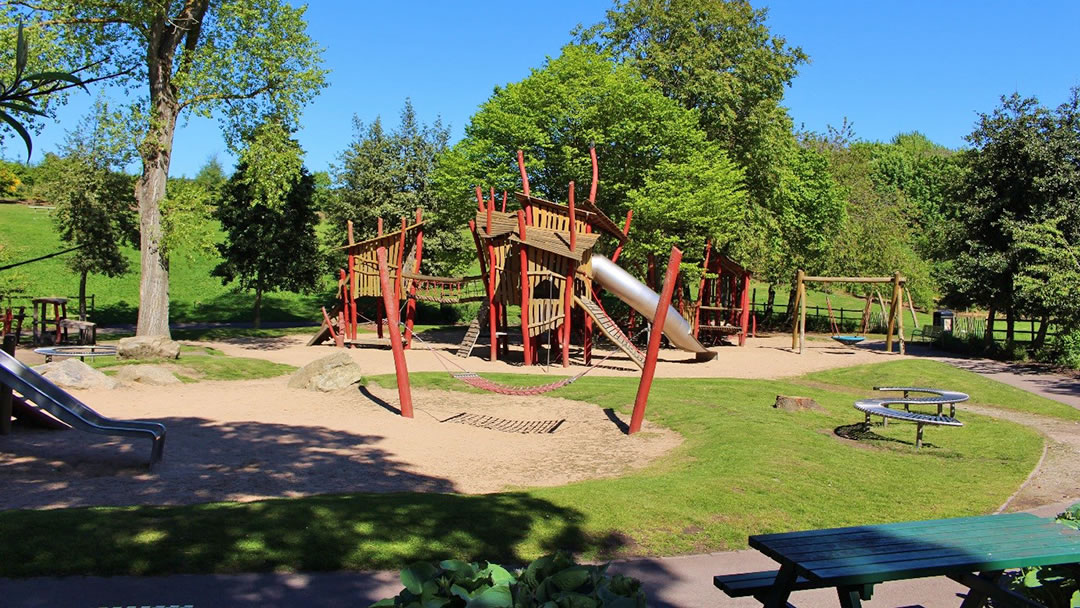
944	320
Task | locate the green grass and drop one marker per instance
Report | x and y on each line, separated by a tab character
983	391
203	363
194	294
744	468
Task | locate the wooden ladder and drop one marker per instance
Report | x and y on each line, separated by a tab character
611	330
473	334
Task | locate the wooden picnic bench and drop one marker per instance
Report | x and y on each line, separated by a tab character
973	551
939	398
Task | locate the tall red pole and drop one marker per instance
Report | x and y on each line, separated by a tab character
399	280
568	303
573	220
379	304
504	202
701	300
352	285
410	307
625	231
653	351
404	392
524	259
745	320
595	173
524	175
346	298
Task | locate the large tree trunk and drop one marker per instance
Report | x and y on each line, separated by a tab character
1040	338
156	153
1010	325
769	303
82	295
258	302
988	337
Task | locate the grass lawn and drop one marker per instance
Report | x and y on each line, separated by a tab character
743	468
203	363
194	294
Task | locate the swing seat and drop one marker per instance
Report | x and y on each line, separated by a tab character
848	340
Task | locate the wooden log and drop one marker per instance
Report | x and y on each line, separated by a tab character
893	310
410	307
796	404
794	307
744	314
526	341
852	279
802	317
400	369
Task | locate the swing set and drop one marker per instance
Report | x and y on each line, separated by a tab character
895	317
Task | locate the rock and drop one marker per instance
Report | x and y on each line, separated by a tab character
797	404
329	373
148	347
72	373
146	374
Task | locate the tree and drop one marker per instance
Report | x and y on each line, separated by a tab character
389	175
646	144
270	242
1021	173
717	57
94	208
244	59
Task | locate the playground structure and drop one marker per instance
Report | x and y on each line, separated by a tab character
895	317
542	259
722	308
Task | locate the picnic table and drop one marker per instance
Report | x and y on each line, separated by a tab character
974	551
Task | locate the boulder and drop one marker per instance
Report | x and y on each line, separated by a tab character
797	404
148	347
329	373
72	373
146	374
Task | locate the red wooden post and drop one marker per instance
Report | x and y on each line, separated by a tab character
524	175
346	298
410	306
402	372
595	173
701	289
573	220
568	303
493	309
504	202
586	343
525	341
653	351
625	231
330	328
380	226
479	199
352	283
490	210
745	317
400	279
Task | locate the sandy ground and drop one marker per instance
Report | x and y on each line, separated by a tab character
249	440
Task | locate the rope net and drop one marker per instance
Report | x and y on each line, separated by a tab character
475	380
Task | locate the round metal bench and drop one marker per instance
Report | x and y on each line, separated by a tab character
940	398
75	351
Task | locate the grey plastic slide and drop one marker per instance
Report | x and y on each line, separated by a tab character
644	300
66	408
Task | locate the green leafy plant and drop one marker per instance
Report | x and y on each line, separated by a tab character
1055	586
553	581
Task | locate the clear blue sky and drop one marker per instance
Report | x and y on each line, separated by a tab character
888	67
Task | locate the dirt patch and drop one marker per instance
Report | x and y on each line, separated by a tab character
248	440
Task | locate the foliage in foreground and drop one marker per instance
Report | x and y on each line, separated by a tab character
1056	586
552	581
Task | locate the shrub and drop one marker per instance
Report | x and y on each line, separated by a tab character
1055	586
553	581
1064	350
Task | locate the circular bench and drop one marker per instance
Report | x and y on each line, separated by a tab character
75	351
940	398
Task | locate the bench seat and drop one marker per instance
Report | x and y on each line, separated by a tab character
879	407
752	583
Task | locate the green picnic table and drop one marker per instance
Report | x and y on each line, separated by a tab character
974	551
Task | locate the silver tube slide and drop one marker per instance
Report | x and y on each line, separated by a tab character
37	389
644	300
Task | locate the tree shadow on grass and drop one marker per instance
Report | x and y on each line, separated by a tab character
394	517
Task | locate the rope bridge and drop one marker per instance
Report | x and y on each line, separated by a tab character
446	290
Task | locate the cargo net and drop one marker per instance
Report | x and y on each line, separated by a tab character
504	425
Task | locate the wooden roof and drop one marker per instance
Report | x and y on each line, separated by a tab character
502	224
558	242
388	239
719	262
584	211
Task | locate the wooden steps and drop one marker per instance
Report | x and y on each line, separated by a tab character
611	330
473	334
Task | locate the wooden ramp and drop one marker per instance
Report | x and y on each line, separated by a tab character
473	334
611	330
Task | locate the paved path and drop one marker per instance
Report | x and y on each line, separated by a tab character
670	582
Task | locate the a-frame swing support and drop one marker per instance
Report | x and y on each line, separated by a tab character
895	326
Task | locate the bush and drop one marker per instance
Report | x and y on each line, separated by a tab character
553	581
1064	350
1055	586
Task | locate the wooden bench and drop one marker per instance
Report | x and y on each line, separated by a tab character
85	331
939	398
927	333
973	551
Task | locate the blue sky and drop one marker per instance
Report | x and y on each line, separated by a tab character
889	67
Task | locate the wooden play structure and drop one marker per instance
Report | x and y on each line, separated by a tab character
722	308
539	258
895	317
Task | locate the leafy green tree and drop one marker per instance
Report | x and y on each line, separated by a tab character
270	242
651	152
389	175
211	176
94	206
1021	173
1049	277
719	58
241	59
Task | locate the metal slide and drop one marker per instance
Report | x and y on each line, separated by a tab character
644	300
66	408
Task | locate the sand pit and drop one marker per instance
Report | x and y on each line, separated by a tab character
242	441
